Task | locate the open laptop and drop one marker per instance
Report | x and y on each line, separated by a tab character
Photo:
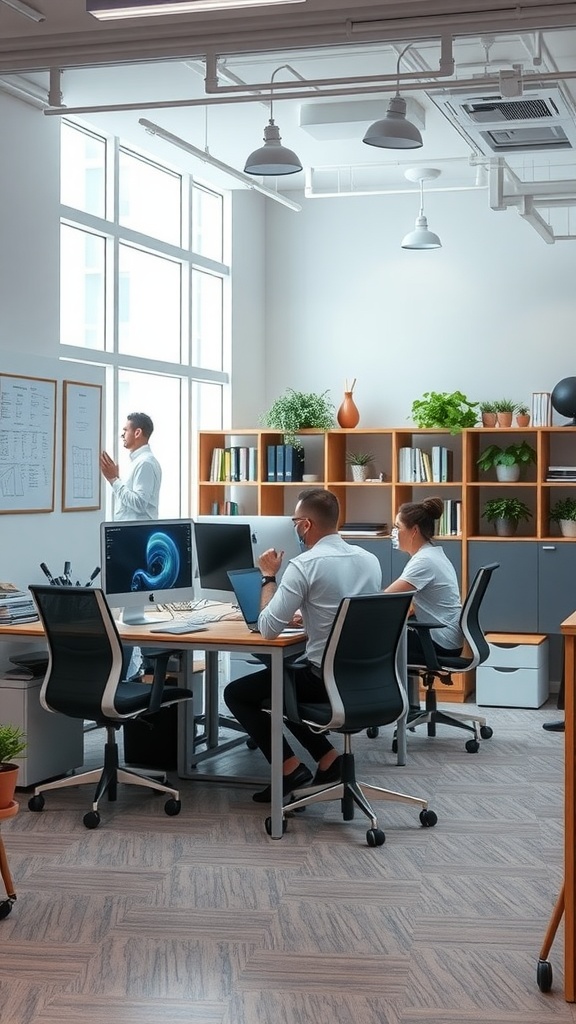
247	586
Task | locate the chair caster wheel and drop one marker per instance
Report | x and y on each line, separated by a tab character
472	746
486	732
251	745
372	732
5	908
544	975
173	807
375	837
268	826
91	819
428	818
36	803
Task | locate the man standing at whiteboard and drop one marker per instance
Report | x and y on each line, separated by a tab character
137	497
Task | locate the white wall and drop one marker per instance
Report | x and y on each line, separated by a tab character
492	313
249	350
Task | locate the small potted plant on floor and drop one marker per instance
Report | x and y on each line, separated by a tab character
522	415
506	513
507	461
505	408
359	463
488	412
563	512
449	411
299	410
12	743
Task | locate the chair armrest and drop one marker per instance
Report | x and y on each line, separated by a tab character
160	659
291	669
423	629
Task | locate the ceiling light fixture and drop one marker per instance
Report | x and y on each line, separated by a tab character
110	10
394	131
273	158
421	237
25	9
207	158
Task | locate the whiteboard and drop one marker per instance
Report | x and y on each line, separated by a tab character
27	443
81	481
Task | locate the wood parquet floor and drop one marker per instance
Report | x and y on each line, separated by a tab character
202	919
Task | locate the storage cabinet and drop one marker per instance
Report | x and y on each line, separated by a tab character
515	674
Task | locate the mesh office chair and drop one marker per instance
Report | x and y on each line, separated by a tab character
438	666
84	681
363	689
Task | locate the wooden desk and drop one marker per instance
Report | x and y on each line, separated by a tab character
226	635
568	630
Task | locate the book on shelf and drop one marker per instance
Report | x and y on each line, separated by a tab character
541	410
362	529
271	463
293	464
280	448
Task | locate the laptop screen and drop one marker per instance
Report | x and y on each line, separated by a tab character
247	586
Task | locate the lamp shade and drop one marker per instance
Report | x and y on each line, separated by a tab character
421	237
394	131
272	158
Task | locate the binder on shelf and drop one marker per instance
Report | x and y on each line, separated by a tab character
293	464
271	463
253	464
280	462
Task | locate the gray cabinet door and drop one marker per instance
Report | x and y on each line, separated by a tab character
510	604
381	547
557	584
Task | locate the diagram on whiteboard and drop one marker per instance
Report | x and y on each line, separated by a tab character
27	437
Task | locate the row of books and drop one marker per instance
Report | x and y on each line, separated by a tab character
561	474
235	464
418	466
16	606
450	522
224	508
284	463
541	411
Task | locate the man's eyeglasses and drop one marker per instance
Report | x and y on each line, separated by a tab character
299	519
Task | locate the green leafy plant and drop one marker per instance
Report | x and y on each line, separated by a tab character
359	458
506	508
504	405
12	743
522	409
487	406
512	455
451	411
299	410
564	508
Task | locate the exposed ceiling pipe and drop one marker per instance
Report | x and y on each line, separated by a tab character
516	18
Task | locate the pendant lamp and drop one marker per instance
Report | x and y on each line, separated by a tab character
421	237
272	158
112	10
394	131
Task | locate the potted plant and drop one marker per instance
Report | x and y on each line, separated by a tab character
506	513
563	512
488	412
299	410
450	411
504	411
507	461
12	743
359	462
522	414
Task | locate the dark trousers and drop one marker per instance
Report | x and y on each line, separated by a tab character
247	697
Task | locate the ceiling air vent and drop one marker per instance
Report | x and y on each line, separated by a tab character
539	121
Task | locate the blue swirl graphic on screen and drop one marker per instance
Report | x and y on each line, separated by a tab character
162	564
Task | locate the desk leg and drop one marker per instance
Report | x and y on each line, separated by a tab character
276	726
569	820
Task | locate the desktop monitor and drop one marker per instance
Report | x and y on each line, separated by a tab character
221	544
265	532
146	563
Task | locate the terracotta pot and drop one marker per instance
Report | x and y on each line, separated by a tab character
504	419
568	527
8	778
348	415
505	527
508	474
523	421
488	419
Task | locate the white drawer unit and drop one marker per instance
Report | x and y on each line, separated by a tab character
515	674
54	743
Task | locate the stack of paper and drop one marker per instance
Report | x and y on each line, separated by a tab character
16	606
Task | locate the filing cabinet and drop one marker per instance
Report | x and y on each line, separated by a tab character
515	674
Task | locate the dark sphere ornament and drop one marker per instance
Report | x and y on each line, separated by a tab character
564	399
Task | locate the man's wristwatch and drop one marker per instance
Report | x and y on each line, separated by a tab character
268	579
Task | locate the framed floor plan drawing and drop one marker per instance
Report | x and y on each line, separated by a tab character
27	443
82	428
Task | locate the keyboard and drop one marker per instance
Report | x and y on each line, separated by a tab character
176	628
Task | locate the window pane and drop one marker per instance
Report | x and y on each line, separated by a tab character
207	406
206	320
150	198
82	267
207	224
159	396
82	170
149	299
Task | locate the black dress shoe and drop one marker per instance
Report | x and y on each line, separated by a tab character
324	776
301	776
553	726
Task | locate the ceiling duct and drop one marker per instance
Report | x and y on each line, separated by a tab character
539	120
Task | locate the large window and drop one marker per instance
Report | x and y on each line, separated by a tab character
143	293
